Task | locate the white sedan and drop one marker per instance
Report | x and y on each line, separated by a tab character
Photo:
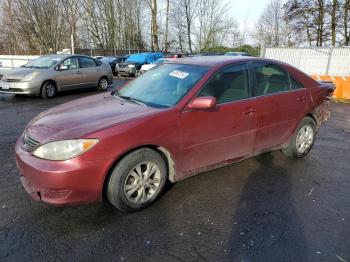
147	67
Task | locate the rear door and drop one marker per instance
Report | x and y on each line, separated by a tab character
90	72
280	105
225	133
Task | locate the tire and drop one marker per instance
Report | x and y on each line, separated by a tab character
303	139
129	191
103	84
48	90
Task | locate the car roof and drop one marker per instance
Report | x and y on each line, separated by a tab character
212	61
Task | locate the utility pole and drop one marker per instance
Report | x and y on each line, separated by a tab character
72	43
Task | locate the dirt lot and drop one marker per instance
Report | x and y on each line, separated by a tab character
269	208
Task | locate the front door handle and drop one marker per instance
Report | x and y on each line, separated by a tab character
78	72
249	111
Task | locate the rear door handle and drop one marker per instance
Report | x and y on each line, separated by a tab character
78	72
301	98
249	111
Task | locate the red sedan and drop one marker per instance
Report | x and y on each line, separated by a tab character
181	118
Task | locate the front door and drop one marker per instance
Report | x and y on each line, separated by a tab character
68	75
89	70
226	132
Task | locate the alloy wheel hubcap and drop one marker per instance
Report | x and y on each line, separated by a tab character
103	84
142	183
304	139
50	90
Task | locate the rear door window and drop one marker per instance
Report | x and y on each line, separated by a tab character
270	79
86	62
294	84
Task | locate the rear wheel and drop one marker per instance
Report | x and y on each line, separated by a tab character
302	141
103	84
137	180
48	90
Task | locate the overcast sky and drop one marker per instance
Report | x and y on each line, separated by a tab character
247	9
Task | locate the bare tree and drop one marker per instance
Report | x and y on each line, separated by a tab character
269	24
187	10
346	19
72	9
334	21
166	26
214	24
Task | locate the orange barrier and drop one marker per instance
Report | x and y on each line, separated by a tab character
342	84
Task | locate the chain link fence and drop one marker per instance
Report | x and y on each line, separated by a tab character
107	52
314	61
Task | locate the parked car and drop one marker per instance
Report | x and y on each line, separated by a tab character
113	61
133	64
237	54
176	55
47	75
146	67
211	54
178	120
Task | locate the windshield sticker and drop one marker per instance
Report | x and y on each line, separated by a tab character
179	74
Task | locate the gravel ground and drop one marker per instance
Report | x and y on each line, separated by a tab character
268	208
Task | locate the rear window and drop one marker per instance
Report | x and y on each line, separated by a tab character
85	62
270	79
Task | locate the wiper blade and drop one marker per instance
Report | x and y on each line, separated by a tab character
133	100
136	101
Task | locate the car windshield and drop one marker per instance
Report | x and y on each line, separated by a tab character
43	62
164	86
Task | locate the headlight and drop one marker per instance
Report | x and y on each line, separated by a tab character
30	76
64	150
131	66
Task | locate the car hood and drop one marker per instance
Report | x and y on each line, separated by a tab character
20	73
81	117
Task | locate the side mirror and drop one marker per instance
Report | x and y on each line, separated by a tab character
204	102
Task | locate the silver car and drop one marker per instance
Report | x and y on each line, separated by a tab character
47	75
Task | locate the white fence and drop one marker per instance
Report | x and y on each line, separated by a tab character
314	61
11	61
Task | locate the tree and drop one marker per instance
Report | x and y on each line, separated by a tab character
334	20
166	26
214	24
346	19
186	9
269	31
72	9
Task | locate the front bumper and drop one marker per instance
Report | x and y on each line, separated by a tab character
20	87
126	70
74	181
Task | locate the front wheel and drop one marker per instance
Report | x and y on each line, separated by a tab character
103	84
137	180
302	141
48	90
